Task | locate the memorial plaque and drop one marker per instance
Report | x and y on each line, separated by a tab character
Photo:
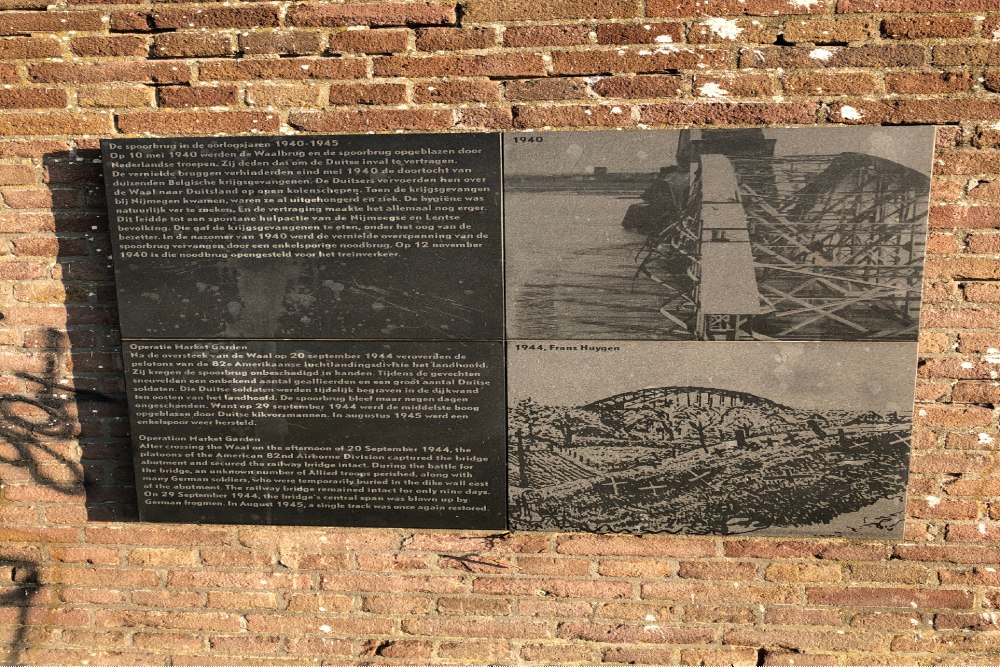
391	237
704	332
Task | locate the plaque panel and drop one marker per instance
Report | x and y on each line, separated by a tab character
388	237
359	433
709	332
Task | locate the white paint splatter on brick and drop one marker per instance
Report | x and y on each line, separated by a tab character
805	4
992	356
932	501
848	112
967	365
723	28
663	39
821	54
985	438
325	628
712	90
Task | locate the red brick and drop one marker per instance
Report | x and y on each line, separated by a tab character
48	123
568	588
648	86
890	597
284	95
287	624
192	45
717	570
455	91
734	84
685	8
633	634
964	217
115	96
740	31
980	268
982	292
964	463
455	39
367	93
559	654
386	584
370	41
206	16
643	656
845	6
829	30
718	593
869	55
851	641
372	14
572	116
545	35
924	27
641	33
30	48
928	83
492	65
396	604
473	607
109	46
162	599
830	83
488	11
720	113
634	567
481	628
198	122
966	55
486	118
976	392
285	43
284	68
141	72
15	23
647	545
175	620
16	174
197	96
374	119
130	20
637	60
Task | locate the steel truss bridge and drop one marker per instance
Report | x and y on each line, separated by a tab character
747	245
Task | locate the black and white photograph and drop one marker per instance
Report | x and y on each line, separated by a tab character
741	234
788	438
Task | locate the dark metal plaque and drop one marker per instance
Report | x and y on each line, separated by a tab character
703	332
360	433
388	237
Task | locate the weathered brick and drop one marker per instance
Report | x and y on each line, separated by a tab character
861	596
683	8
545	35
734	84
493	65
868	55
640	33
924	27
206	16
637	60
643	86
455	39
30	48
110	72
829	30
109	46
572	116
284	95
372	14
966	55
367	93
105	96
647	545
391	40
846	6
18	23
284	68
192	45
830	83
487	11
374	119
455	91
720	113
927	83
17	174
197	96
48	123
285	43
198	122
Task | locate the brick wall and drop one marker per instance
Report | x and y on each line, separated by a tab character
81	582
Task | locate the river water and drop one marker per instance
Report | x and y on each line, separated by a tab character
571	269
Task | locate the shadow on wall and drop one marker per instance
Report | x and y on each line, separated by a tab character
63	427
